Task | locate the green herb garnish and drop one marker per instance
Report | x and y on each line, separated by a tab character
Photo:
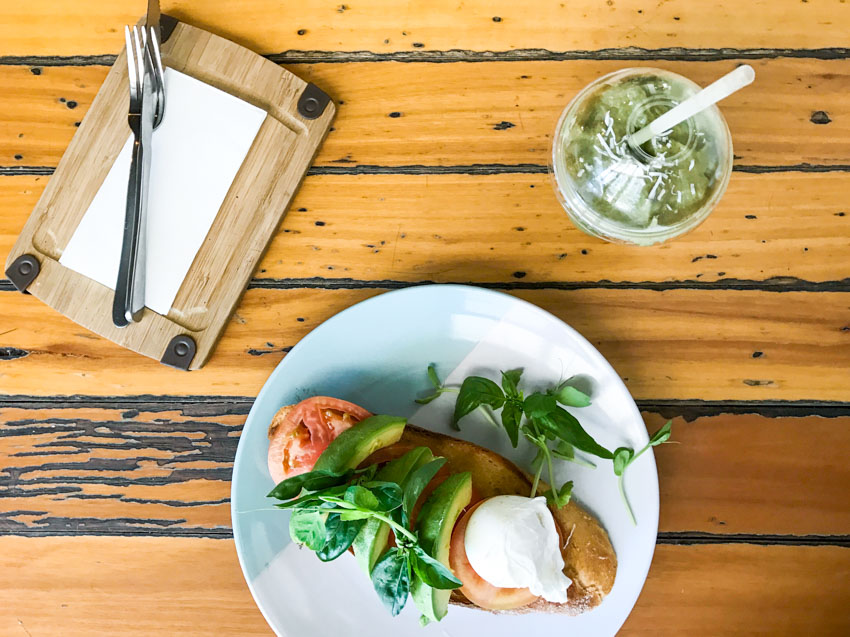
542	420
329	510
624	456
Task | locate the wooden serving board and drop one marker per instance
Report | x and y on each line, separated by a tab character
298	118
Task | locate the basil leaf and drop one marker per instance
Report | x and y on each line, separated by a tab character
662	435
389	495
539	405
361	497
571	397
307	527
312	481
417	482
391	579
622	457
474	392
432	376
559	497
510	380
339	535
433	572
567	428
511	415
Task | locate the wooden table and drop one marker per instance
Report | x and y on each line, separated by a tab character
114	471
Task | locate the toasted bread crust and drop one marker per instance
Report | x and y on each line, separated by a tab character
589	558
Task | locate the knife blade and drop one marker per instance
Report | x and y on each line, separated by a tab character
129	302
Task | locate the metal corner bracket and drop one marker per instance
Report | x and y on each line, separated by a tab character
22	272
312	102
180	352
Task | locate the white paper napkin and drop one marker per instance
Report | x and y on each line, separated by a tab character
197	150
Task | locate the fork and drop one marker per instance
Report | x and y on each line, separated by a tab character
147	106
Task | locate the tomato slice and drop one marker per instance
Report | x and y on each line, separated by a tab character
476	589
300	434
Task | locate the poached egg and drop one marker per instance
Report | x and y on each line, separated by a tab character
511	542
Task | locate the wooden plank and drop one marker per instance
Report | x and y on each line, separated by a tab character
747	474
118	471
163	469
462	114
88	26
194	587
131	586
670	344
497	228
744	590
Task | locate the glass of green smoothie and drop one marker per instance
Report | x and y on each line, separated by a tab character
618	191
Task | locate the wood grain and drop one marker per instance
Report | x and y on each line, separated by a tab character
402	114
782	227
747	473
164	469
131	586
89	27
249	215
194	587
744	590
670	344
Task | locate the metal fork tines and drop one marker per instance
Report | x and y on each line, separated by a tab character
147	106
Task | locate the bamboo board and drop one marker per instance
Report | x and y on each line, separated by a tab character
255	203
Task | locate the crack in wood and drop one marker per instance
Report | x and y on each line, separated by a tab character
12	353
772	284
467	169
217	406
300	56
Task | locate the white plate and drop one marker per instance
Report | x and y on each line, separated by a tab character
375	354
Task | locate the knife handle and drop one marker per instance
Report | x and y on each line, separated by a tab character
129	302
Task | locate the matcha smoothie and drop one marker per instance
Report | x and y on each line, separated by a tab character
639	194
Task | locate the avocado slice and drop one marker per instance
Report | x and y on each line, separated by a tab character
354	445
435	525
374	537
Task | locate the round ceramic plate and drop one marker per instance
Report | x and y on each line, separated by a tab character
375	354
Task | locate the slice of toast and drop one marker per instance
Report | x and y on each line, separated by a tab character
589	558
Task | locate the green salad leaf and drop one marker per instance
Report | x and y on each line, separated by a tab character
391	579
330	509
476	391
540	418
433	572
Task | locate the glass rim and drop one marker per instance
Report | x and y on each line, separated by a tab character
589	220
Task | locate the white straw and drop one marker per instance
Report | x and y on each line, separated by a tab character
722	88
